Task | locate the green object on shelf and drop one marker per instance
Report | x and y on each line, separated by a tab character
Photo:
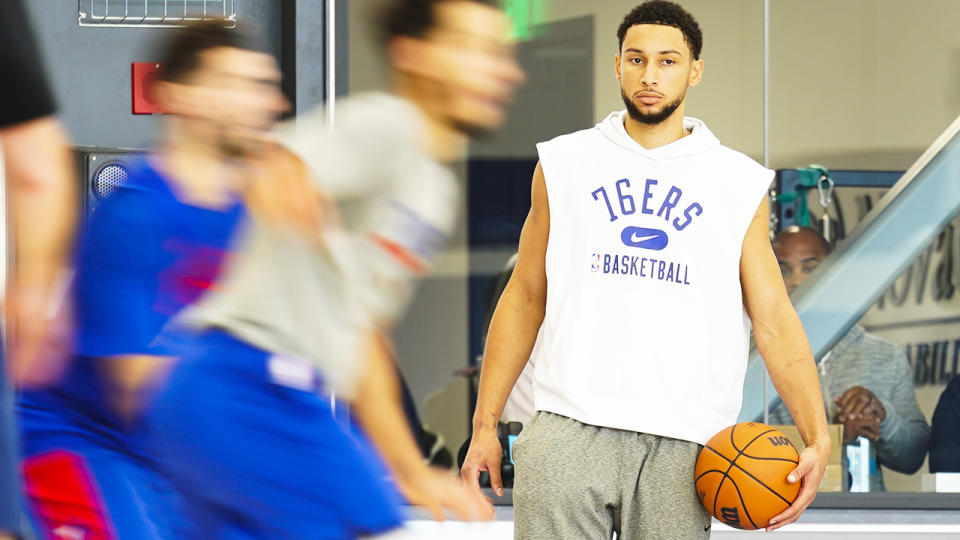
809	178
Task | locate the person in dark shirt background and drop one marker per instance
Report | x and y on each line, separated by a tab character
40	199
945	431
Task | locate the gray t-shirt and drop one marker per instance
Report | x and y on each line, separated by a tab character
294	297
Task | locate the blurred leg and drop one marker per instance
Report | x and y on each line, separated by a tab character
95	494
9	478
254	458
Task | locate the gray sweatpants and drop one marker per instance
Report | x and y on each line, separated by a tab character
575	481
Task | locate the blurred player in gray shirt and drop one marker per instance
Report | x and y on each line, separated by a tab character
342	228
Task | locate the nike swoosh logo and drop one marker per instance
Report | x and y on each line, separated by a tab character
644	238
637	239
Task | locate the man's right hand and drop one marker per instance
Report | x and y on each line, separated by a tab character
861	426
484	454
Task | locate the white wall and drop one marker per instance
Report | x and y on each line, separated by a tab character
862	83
854	83
730	97
366	61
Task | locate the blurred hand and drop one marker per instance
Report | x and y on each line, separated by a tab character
857	402
39	326
41	204
438	490
282	193
809	471
484	454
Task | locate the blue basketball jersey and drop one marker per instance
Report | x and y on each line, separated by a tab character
144	256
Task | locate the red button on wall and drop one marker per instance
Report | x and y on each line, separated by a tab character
143	74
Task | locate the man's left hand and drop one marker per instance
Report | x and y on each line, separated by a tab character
809	471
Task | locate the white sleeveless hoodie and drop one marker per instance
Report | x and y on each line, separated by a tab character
645	328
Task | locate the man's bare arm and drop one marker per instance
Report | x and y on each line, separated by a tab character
41	192
130	378
513	331
377	407
783	345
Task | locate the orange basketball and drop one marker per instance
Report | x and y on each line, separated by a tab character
741	475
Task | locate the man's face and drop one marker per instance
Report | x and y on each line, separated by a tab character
233	96
470	64
655	68
798	255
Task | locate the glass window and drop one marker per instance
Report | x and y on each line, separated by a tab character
834	103
859	88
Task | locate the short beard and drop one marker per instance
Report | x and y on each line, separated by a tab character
232	147
473	131
655	117
231	150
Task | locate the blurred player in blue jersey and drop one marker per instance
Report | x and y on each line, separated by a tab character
150	249
244	424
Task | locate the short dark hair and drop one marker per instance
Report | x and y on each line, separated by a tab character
180	54
667	14
411	18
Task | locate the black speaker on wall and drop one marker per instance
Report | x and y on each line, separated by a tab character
102	171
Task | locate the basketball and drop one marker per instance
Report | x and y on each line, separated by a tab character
741	475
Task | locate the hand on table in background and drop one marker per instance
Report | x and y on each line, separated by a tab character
862	426
861	413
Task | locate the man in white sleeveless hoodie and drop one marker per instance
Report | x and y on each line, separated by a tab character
643	262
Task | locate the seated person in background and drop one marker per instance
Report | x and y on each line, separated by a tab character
945	432
867	382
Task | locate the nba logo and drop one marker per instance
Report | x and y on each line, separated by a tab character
595	265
